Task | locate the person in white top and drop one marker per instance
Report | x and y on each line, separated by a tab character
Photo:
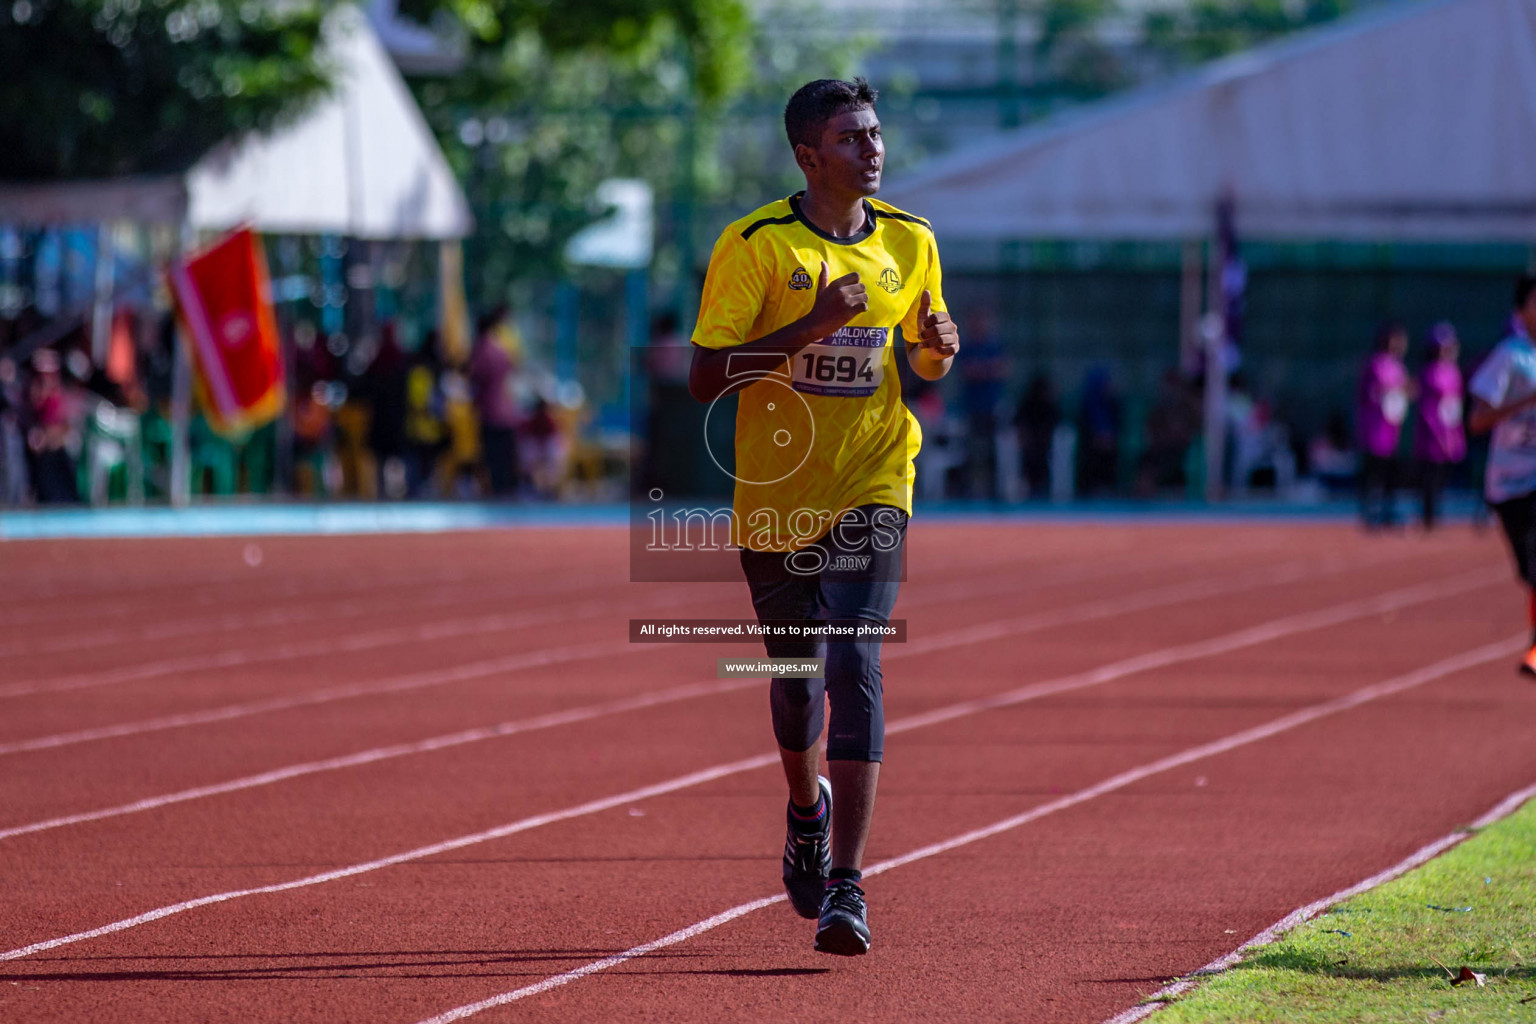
1503	392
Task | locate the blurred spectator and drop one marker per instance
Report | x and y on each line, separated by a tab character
48	432
1382	406
311	439
1330	456
1247	426
123	356
1172	425
544	447
1099	433
1439	441
492	377
424	433
674	421
352	417
157	363
939	458
311	415
1261	443
1036	420
984	372
13	453
457	468
384	383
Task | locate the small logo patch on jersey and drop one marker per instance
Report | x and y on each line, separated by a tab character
799	281
890	280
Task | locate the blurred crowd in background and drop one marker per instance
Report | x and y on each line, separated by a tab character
1000	443
1076	379
391	412
495	422
379	423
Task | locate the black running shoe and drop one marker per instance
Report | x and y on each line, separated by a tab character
844	927
807	859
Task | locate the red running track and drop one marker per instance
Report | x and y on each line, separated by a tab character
177	724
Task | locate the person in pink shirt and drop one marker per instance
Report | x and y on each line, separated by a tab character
1440	439
1382	407
492	375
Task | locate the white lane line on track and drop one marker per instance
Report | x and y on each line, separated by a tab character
450	628
1023	579
305	611
634	952
442	630
110	585
1145	600
310	698
447	846
236	621
1157	1000
293	771
1251	637
1418	677
1157	597
120	601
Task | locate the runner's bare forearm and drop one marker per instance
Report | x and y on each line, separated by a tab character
1485	417
836	303
709	377
926	364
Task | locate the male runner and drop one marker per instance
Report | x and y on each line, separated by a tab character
799	308
1503	394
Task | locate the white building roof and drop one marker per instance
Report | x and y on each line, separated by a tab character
1417	122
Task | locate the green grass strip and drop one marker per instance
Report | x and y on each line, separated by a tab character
1373	958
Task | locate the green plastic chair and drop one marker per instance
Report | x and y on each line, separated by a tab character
111	466
257	459
214	460
155	444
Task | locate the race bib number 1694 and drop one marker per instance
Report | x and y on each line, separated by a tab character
848	363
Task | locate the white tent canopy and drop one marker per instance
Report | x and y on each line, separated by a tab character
1415	123
362	163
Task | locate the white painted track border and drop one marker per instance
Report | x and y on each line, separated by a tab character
1418	677
1157	1000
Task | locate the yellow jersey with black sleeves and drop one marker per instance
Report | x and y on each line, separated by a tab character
825	430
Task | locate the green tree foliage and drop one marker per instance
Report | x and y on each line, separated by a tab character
100	88
1071	55
711	30
688	97
1206	29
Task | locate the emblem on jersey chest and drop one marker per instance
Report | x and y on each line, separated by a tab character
799	281
890	280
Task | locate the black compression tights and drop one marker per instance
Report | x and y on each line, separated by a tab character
853	685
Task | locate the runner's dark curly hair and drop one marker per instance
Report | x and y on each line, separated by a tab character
816	103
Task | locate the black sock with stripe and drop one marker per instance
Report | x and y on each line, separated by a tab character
809	820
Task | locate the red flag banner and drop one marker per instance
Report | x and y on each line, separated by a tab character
224	306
